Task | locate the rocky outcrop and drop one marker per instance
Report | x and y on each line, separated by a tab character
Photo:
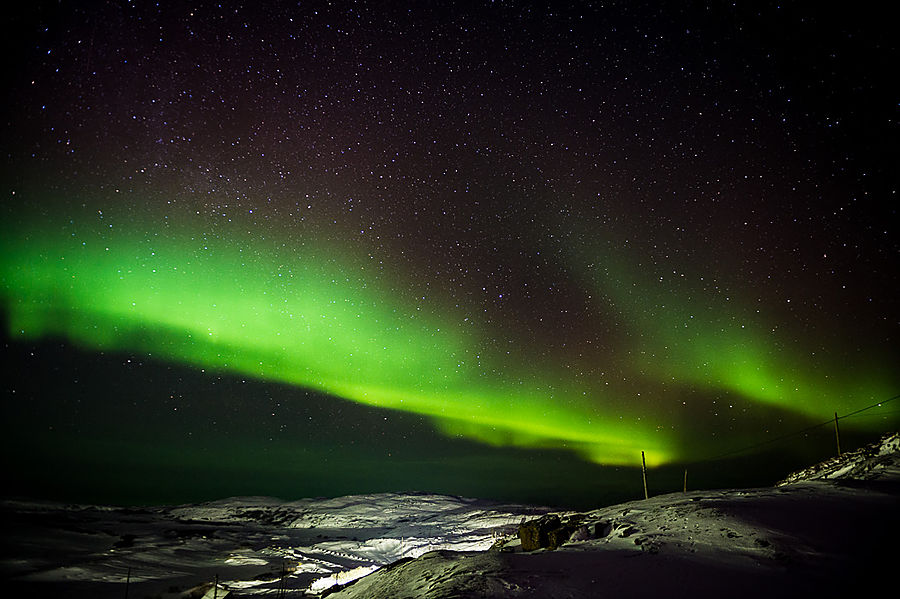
547	532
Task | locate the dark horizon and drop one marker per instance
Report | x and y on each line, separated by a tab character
62	448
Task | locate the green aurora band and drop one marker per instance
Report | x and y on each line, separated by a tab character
319	316
703	336
299	315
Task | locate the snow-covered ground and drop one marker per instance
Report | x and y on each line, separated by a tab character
829	530
255	545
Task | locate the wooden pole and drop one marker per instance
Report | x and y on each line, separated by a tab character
216	588
127	582
685	481
837	434
644	472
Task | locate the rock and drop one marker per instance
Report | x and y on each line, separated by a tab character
601	529
557	537
582	533
549	532
534	534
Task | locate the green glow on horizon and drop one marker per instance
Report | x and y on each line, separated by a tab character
709	339
308	314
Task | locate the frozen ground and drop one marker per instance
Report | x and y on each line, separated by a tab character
254	545
830	530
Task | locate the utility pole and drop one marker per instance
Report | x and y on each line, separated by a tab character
644	472
837	434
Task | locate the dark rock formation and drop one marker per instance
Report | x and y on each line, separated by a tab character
534	533
547	532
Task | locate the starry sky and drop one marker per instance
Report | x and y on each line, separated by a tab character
485	248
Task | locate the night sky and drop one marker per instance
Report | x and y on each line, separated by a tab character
487	248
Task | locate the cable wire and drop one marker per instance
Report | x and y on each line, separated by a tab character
802	431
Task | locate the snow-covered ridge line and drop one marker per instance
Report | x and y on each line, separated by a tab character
350	512
815	535
870	462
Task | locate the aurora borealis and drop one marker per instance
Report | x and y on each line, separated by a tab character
563	235
301	318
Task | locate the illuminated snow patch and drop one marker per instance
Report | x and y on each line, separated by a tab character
326	582
245	560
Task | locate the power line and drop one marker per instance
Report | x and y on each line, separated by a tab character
802	431
875	414
870	407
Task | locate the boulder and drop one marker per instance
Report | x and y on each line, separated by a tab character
535	534
558	536
549	532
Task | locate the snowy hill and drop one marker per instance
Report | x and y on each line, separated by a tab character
878	461
255	545
830	531
826	531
